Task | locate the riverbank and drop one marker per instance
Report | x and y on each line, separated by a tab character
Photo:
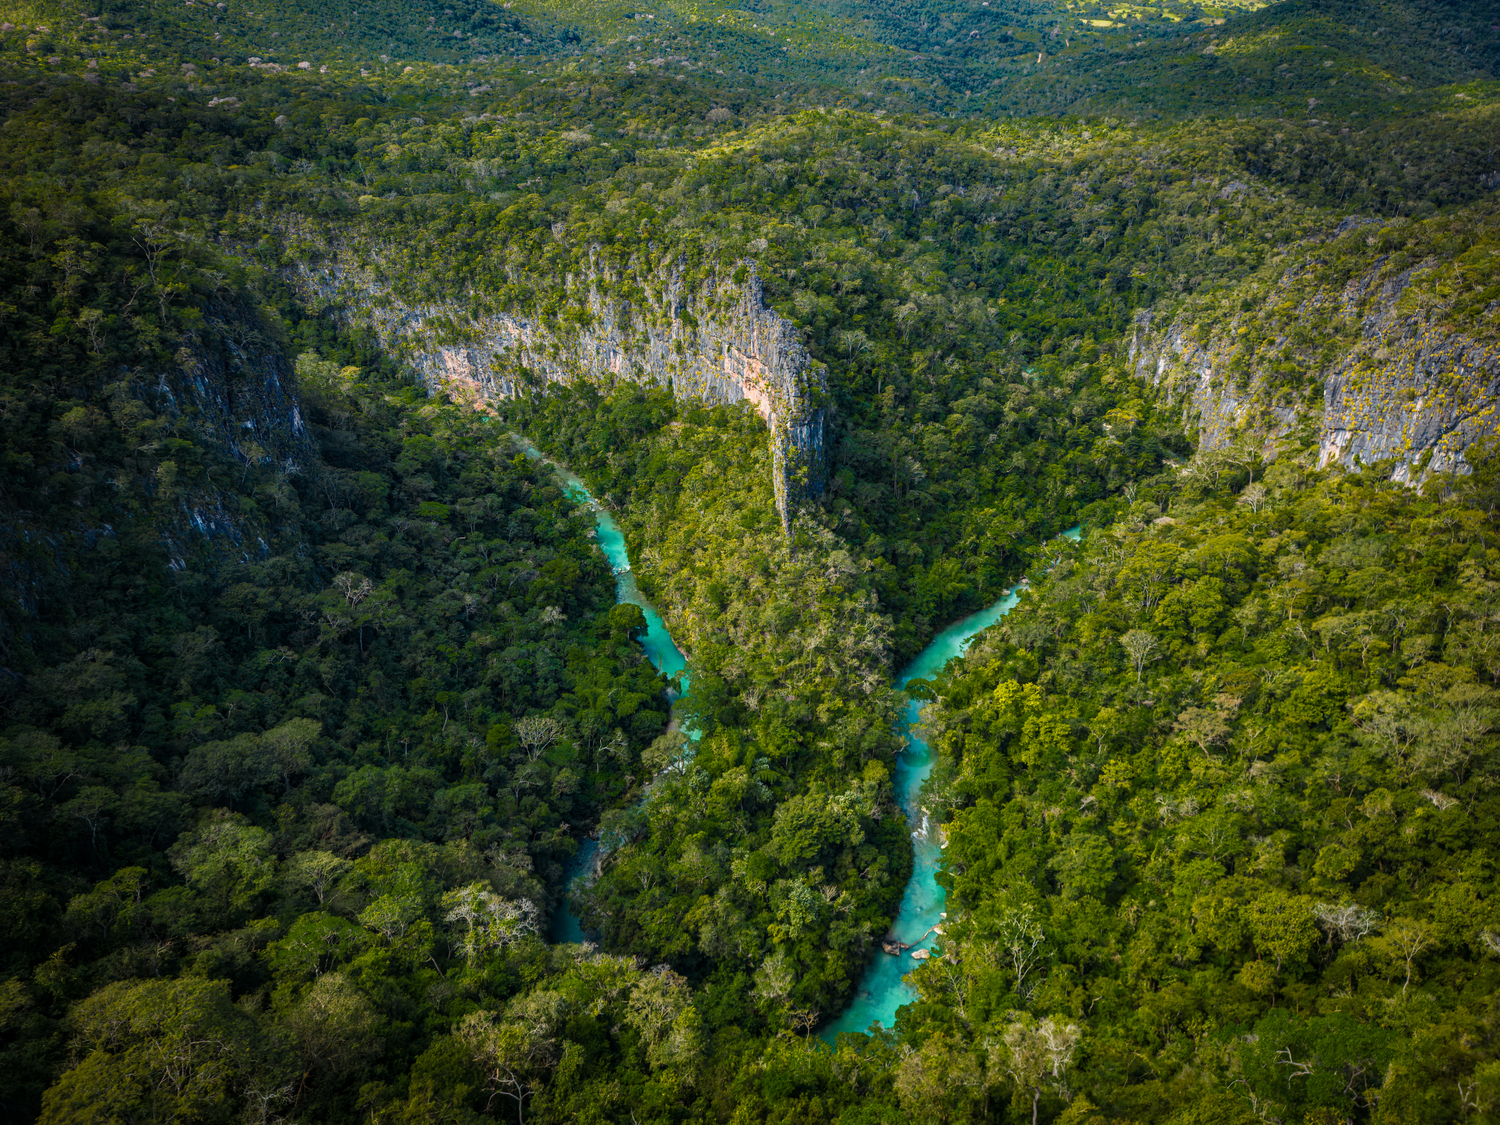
916	930
883	990
658	644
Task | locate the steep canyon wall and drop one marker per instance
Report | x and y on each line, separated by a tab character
715	341
1378	373
230	382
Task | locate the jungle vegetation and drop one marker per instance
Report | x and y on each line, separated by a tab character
311	683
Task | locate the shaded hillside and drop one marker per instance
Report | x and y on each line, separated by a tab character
312	686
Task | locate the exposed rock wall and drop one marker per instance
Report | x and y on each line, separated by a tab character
717	342
231	383
238	389
1407	388
1194	374
1399	385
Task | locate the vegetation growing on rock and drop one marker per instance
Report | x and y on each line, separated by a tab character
312	685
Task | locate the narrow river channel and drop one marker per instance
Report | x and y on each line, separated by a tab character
882	991
661	650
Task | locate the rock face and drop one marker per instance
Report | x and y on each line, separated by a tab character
232	383
1407	389
716	342
1400	385
238	390
1194	374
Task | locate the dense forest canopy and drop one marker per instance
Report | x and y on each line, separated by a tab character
314	685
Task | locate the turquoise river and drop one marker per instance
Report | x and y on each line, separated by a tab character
883	990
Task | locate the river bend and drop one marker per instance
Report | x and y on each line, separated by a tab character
882	991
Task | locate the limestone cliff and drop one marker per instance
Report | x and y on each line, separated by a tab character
1365	356
235	384
230	381
715	341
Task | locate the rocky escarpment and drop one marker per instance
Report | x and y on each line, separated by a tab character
233	384
236	386
1370	363
715	341
229	381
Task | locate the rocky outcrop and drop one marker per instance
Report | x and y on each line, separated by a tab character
235	385
231	382
716	341
1194	375
1398	385
1407	390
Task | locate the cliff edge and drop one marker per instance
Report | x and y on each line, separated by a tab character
715	341
1368	353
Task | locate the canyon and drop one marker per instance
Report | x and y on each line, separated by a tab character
716	342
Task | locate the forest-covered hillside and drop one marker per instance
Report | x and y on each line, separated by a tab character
1223	787
313	684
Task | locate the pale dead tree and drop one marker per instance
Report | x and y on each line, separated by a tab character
319	872
1466	1098
609	978
508	858
617	746
1021	939
1491	941
355	587
489	921
1204	728
511	1052
1406	939
774	978
1386	721
804	1022
1482	642
1347	922
1296	1068
1451	740
391	915
1172	808
92	322
92	807
524	574
1036	1055
154	235
32	222
1213	836
1139	646
1254	495
853	341
264	1098
1059	1040
288	744
537	732
906	317
955	975
661	1009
